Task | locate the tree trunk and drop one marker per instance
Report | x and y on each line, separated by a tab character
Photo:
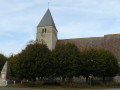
103	79
33	79
70	80
63	79
86	79
41	78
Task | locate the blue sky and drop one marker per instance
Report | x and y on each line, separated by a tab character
73	19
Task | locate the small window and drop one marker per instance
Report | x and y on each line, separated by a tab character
42	30
45	30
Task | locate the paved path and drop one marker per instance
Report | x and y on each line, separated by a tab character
7	88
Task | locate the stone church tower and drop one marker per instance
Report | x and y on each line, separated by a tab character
46	31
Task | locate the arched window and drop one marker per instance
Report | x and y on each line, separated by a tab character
45	30
42	30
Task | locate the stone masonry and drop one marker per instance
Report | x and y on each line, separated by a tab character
46	31
5	75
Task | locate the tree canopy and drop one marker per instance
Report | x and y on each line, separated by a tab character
32	62
100	63
66	60
65	57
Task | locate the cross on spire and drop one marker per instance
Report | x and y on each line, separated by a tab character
48	4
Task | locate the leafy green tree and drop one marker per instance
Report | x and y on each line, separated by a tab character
2	61
100	63
34	61
13	64
65	57
86	64
106	64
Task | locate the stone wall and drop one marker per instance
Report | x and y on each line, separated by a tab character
109	42
112	43
48	37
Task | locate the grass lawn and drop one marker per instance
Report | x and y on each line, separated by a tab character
67	86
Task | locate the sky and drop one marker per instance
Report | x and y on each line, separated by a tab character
73	19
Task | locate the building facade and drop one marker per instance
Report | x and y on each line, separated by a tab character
47	34
46	31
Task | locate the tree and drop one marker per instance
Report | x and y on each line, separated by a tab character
107	64
100	63
2	61
86	64
65	57
32	62
13	64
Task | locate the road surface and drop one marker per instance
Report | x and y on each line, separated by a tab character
7	88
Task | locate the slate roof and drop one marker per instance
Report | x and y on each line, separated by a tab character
47	20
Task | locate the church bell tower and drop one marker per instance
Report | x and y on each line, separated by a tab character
46	31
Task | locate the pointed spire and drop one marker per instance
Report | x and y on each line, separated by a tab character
47	20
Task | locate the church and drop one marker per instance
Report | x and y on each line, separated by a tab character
47	34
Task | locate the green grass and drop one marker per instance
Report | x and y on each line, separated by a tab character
65	86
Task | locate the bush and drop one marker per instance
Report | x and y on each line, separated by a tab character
74	85
39	83
28	83
51	83
33	84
